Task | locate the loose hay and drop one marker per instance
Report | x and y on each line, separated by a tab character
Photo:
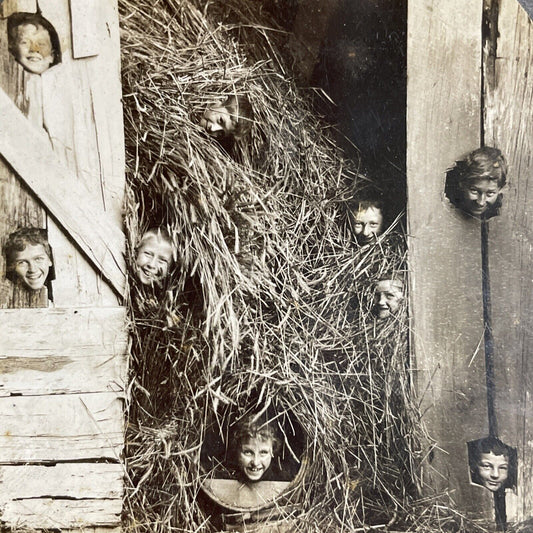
271	300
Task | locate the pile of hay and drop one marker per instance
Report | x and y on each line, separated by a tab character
270	303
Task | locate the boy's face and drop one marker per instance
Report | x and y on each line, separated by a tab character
154	258
218	121
493	470
33	48
388	296
32	266
368	224
255	456
477	196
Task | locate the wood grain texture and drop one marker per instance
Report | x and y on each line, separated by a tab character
19	207
76	481
87	28
100	240
509	126
38	429
56	513
443	124
58	351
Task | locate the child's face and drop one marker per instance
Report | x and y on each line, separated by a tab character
255	456
493	470
32	266
388	296
368	224
218	121
33	48
478	196
154	258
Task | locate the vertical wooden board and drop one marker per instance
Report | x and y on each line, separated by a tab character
86	28
509	126
443	123
69	120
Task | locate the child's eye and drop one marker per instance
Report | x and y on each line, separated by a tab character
21	263
148	254
504	467
490	194
358	225
484	465
373	225
40	259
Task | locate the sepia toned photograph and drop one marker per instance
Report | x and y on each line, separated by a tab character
266	266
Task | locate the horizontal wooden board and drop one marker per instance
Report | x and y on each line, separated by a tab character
90	229
61	428
54	351
64	480
51	513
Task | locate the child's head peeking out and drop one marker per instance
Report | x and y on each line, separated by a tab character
154	256
229	119
254	444
28	257
491	463
33	41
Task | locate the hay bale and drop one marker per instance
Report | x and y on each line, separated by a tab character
271	300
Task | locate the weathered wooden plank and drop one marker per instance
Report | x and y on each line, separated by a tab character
86	28
443	123
51	513
509	125
100	240
7	7
61	428
65	97
58	332
74	480
19	208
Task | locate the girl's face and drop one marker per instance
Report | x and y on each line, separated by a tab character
219	122
255	456
493	470
33	49
479	195
368	224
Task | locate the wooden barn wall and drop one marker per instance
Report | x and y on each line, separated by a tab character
63	362
451	110
509	125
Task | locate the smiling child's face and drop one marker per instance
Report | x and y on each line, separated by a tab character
493	470
255	456
154	258
32	266
388	296
33	48
368	224
478	196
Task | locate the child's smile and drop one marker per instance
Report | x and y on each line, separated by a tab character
32	265
255	457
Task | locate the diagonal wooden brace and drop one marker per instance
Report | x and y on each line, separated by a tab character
29	153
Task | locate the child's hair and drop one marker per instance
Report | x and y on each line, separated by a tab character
249	428
157	232
495	446
361	204
240	109
485	163
17	242
17	19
